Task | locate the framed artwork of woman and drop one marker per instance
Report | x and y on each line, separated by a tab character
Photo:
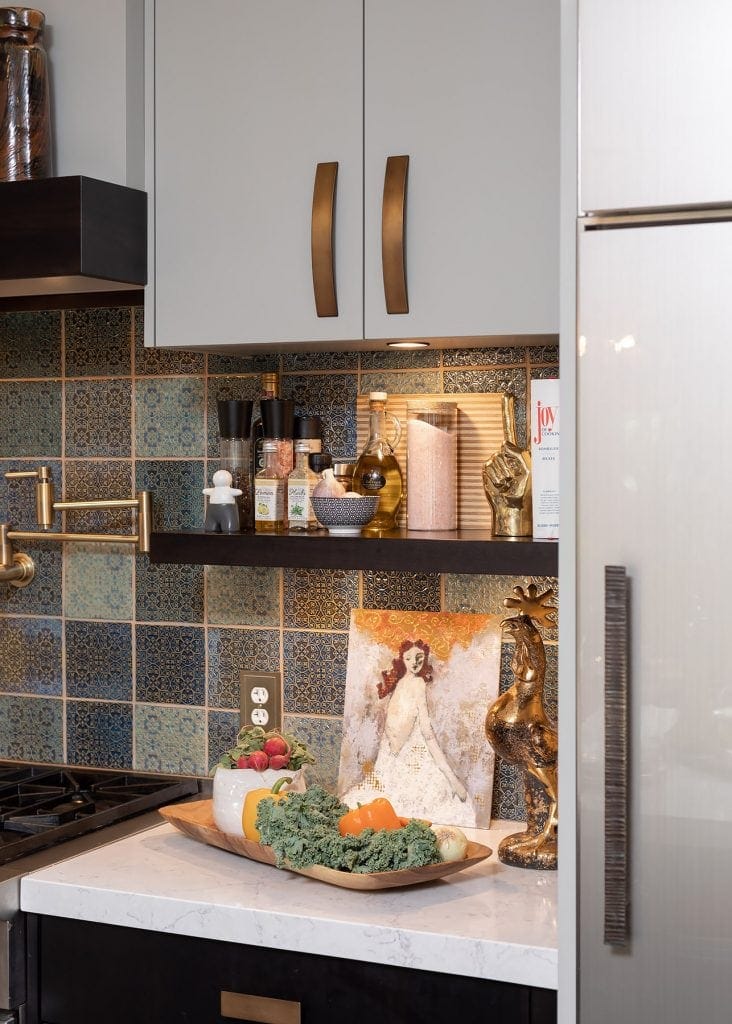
417	690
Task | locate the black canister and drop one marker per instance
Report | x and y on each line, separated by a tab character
25	128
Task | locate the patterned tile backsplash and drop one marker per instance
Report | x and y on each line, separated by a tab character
108	660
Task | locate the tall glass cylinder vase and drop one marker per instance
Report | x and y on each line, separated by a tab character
25	118
432	465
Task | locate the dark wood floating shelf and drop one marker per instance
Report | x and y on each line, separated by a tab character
468	551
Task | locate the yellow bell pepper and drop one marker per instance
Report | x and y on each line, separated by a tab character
251	805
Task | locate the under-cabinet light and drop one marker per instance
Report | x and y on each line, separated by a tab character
407	344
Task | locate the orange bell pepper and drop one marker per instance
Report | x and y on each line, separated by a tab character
251	806
379	814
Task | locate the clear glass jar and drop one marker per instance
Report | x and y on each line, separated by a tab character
300	484
270	490
432	466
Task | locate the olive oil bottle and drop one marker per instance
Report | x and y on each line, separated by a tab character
377	470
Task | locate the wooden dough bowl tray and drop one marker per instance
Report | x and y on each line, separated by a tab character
196	820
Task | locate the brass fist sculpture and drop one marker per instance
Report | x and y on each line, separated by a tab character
507	481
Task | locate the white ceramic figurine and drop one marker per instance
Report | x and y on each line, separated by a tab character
222	514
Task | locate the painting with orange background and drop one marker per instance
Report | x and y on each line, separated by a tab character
418	687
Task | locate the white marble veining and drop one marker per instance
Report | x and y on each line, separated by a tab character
490	921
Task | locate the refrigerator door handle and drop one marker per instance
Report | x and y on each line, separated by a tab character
617	650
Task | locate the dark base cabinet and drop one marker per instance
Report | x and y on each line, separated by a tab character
90	973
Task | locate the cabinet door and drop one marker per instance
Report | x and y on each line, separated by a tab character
653	422
248	99
468	90
656	84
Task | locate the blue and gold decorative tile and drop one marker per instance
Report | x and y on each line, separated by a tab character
511	379
544	354
43	596
18	497
472	357
315	672
402	591
30	344
168	593
98	418
227	387
232	650
400	359
406	382
508	791
98	342
99	734
99	660
85	481
295	362
30	656
169	417
30	419
223	727
155	361
242	595
323	738
98	582
229	363
171	665
31	729
544	372
177	489
333	397
484	595
170	740
319	598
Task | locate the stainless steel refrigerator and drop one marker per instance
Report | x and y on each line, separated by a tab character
654	476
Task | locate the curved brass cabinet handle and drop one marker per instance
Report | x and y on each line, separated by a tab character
322	240
393	223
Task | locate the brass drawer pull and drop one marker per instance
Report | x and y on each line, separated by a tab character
617	882
393	227
322	239
260	1009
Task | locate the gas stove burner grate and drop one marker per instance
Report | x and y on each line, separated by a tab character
44	805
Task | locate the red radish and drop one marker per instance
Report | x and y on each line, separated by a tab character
279	760
258	760
242	762
277	746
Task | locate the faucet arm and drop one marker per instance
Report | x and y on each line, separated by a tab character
15	567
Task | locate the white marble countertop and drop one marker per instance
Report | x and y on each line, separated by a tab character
490	921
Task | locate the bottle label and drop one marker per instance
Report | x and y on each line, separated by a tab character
269	501
372	480
298	503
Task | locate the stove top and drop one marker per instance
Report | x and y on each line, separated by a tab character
42	805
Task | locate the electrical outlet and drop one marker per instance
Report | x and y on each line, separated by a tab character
260	699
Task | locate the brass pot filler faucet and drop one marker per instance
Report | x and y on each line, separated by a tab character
18	568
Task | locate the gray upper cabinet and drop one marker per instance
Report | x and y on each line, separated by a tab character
244	104
469	91
248	99
655	96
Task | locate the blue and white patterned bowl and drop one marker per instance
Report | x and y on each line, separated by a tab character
345	517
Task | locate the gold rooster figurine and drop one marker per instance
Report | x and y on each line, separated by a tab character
520	732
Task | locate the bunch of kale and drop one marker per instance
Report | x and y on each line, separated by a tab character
303	831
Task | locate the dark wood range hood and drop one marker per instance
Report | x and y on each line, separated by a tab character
70	236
